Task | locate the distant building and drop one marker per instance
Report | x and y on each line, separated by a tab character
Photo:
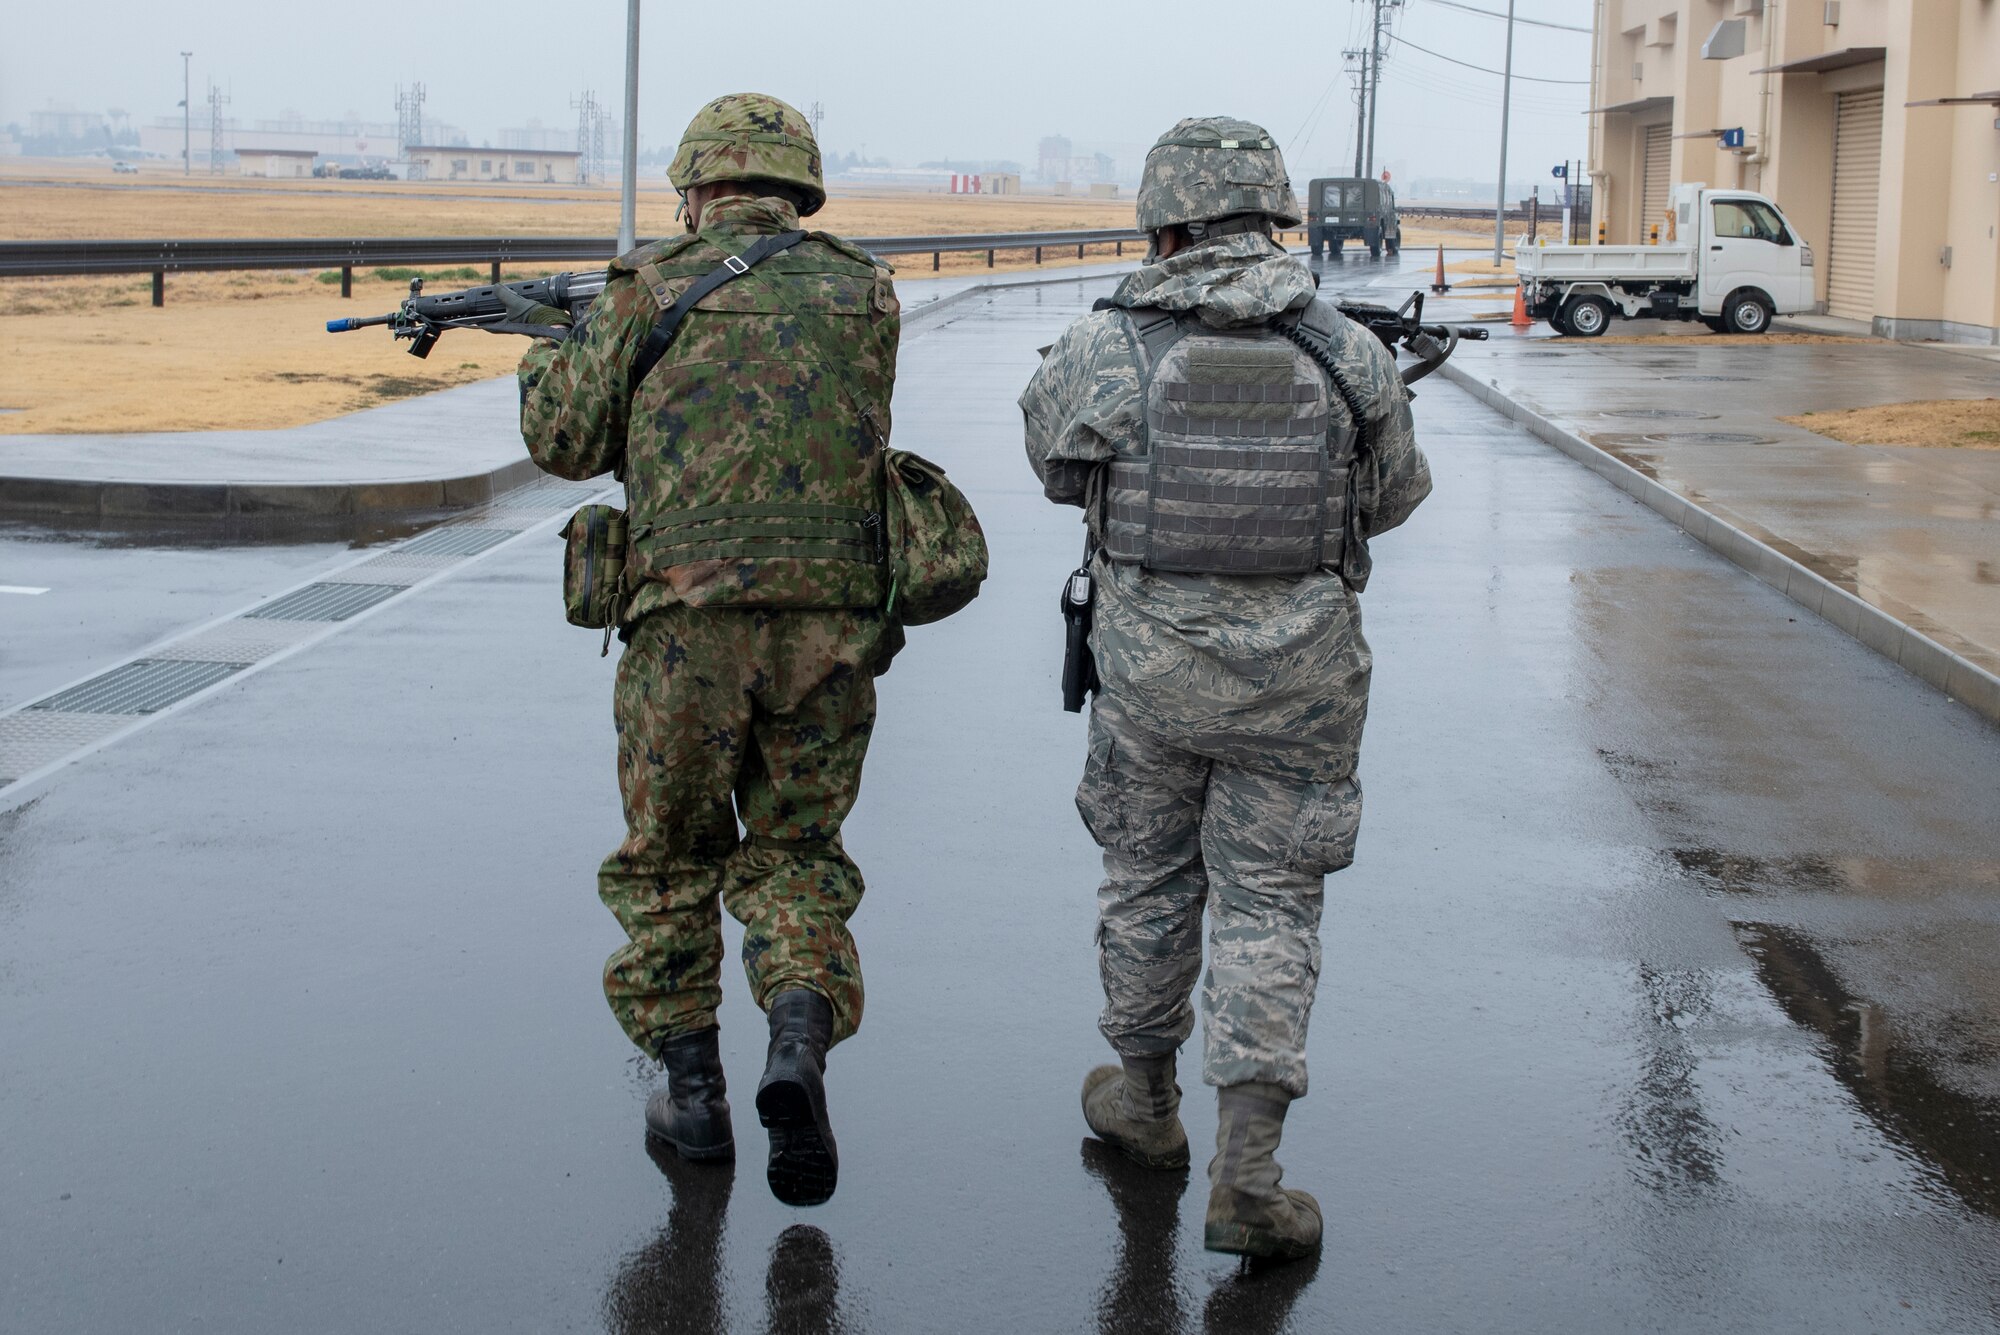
542	166
282	162
1103	190
65	124
537	137
1002	183
1053	159
343	141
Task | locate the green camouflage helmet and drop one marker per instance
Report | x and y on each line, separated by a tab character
750	137
1215	167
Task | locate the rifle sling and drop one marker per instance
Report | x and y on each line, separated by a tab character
735	266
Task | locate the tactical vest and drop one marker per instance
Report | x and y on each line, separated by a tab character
753	474
1249	452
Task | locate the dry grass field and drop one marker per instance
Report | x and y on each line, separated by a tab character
1964	424
236	350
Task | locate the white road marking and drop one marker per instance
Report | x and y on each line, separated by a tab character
20	588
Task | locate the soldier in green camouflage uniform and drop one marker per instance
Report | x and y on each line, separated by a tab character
753	619
1224	738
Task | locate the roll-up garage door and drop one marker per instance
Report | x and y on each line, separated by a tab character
1857	193
1654	180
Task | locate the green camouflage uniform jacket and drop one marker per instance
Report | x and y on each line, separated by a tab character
748	468
1270	672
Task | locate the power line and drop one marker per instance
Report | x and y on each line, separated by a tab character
1481	68
1491	14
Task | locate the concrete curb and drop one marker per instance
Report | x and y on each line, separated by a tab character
115	499
1896	640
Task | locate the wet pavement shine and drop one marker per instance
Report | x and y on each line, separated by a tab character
1660	996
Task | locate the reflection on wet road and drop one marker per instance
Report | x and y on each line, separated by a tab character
1660	996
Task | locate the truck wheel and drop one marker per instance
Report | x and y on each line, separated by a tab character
1714	322
1586	317
1375	251
1333	245
1556	323
1747	312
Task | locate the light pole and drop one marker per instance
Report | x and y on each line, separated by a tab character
1506	95
187	134
628	199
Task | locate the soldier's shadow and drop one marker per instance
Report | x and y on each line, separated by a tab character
676	1284
1145	1293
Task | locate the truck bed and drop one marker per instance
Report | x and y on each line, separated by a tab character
1604	263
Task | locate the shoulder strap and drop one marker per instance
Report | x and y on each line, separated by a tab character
735	266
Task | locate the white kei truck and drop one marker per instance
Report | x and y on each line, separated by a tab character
1736	261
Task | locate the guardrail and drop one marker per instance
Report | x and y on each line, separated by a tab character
44	259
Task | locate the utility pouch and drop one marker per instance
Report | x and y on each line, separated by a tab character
594	568
935	547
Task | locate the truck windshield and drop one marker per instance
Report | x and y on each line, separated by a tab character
1749	220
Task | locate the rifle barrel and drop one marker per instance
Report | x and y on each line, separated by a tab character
342	326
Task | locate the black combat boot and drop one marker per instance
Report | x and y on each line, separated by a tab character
690	1113
791	1100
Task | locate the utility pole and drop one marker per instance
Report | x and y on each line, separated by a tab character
813	114
1360	103
1506	97
1377	53
187	117
628	195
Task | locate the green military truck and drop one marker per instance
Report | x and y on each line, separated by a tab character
1344	208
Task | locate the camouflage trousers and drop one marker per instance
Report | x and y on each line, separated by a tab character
1182	832
756	716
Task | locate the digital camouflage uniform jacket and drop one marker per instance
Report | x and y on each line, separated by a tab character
743	409
1268	672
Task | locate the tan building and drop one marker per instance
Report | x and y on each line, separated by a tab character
281	162
540	165
1875	124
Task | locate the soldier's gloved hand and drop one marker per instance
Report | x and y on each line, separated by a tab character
523	311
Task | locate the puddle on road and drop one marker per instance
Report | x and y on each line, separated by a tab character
1893	1081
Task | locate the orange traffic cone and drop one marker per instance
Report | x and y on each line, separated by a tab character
1440	285
1520	318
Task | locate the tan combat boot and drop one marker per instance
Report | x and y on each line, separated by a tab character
1136	1110
1249	1214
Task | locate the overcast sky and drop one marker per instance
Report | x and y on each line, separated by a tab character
906	79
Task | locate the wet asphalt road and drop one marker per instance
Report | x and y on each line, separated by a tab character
1661	995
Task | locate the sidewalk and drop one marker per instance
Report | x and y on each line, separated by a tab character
447	450
1897	546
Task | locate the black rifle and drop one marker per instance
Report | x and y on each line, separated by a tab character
1403	327
422	319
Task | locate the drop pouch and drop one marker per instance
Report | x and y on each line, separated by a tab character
594	567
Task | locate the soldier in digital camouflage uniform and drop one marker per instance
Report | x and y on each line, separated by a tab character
1224	738
753	626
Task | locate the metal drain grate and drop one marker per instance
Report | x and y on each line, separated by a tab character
455	540
325	602
1710	379
1660	414
1708	438
139	687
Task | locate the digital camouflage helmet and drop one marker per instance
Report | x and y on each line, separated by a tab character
1214	167
750	137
